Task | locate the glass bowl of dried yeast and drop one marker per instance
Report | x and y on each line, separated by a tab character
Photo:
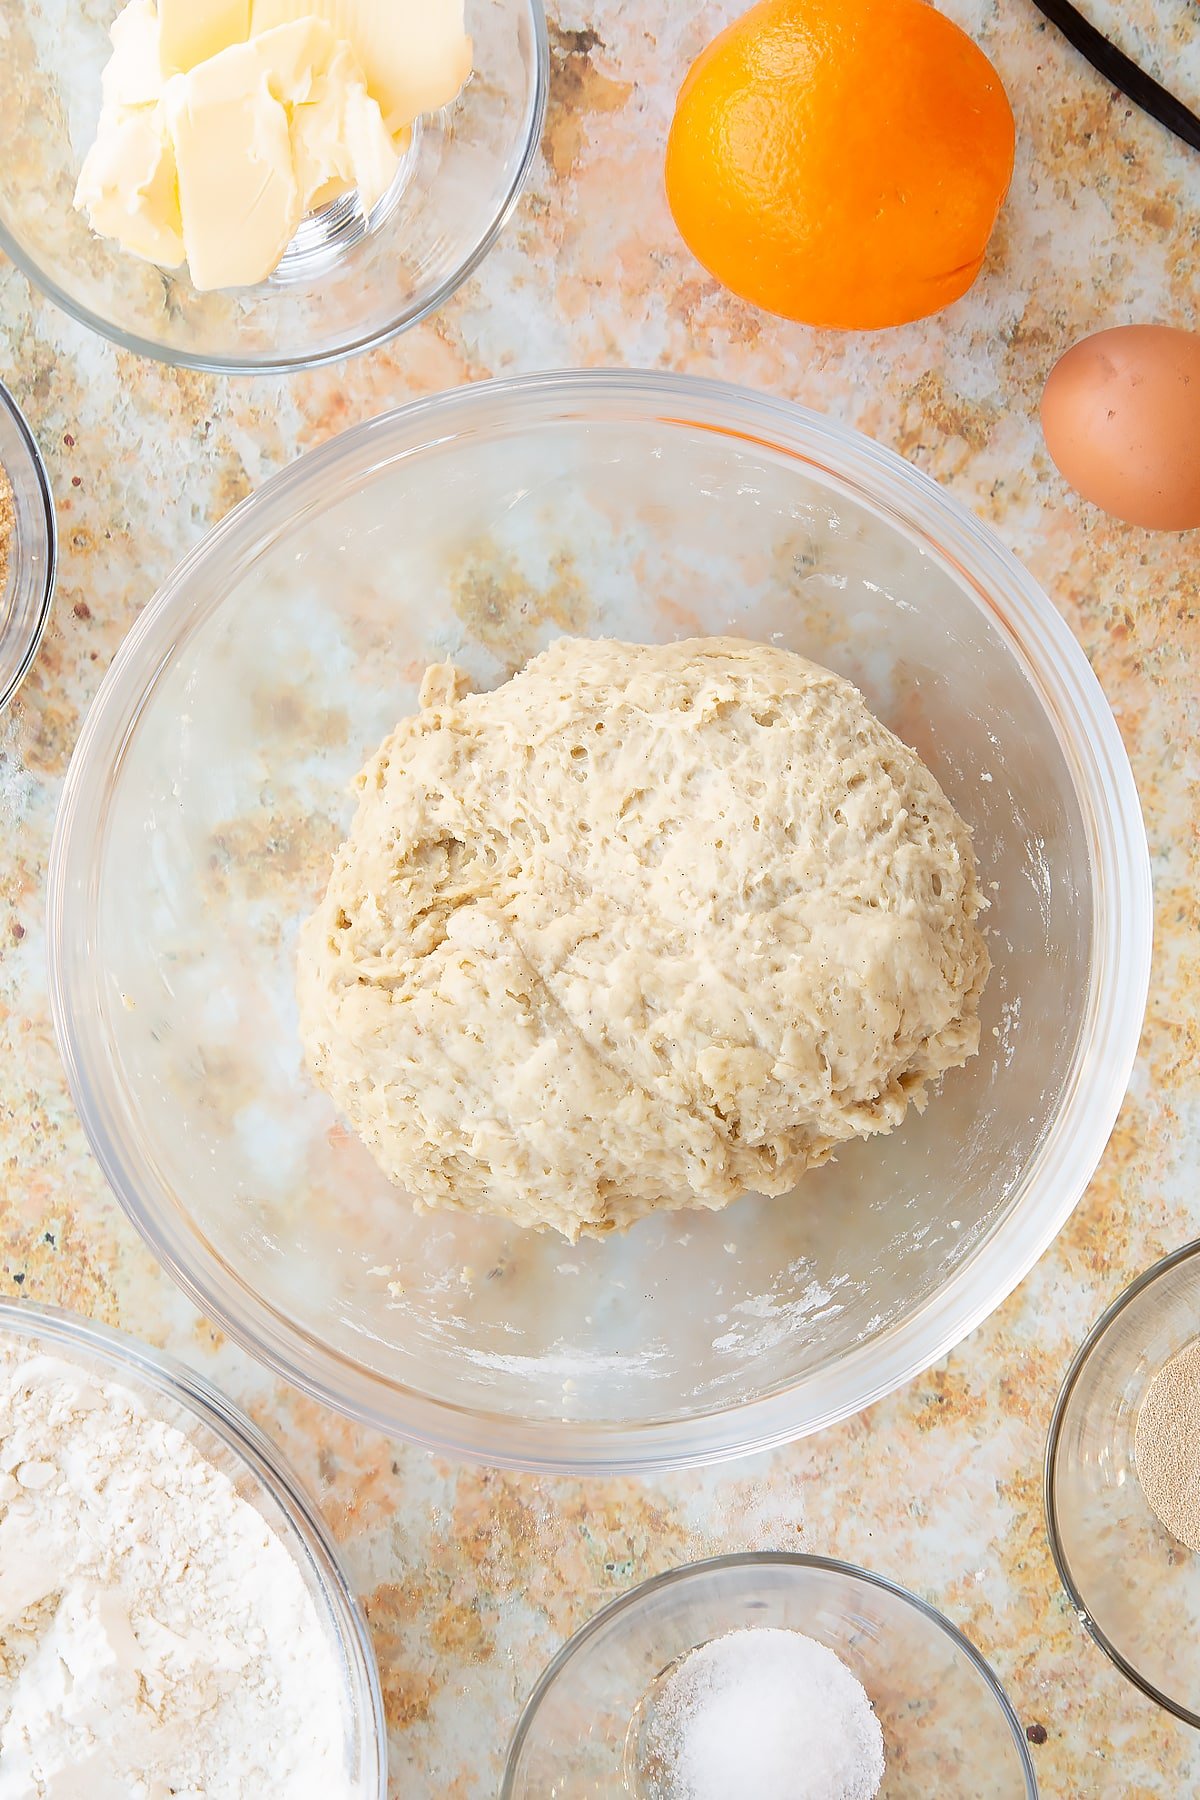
1123	1483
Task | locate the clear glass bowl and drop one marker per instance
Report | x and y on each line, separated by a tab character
346	283
227	1439
948	1728
29	561
210	786
1135	1587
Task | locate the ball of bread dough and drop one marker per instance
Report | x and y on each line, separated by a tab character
646	927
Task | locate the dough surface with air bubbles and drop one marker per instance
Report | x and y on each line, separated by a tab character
649	926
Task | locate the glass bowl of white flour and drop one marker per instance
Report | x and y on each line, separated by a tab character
173	1616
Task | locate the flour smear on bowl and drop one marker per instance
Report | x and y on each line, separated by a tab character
156	1637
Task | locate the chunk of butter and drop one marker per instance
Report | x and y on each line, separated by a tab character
132	76
261	130
127	184
415	54
339	139
189	31
128	188
237	187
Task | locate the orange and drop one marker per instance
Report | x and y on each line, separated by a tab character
841	162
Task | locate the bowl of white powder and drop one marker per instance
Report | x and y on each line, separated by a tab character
715	540
173	1616
784	1677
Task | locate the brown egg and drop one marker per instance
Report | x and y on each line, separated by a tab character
1121	414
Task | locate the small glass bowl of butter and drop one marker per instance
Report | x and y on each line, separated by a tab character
258	185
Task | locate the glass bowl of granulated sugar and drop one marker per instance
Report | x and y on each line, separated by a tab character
1123	1483
779	1676
173	1617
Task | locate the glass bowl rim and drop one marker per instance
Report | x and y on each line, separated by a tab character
1147	1279
49	520
684	1572
274	363
1067	689
129	1356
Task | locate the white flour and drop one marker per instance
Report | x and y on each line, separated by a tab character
156	1637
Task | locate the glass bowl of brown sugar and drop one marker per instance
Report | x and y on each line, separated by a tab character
28	547
1123	1483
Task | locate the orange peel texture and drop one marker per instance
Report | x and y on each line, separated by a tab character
841	162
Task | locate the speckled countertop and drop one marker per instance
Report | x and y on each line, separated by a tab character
472	1578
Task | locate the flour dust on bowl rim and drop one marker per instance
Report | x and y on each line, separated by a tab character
210	787
220	1434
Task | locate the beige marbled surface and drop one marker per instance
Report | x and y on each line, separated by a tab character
473	1578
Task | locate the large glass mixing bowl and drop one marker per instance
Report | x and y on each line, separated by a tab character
210	786
346	282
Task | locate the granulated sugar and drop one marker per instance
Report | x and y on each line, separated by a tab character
156	1636
765	1713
